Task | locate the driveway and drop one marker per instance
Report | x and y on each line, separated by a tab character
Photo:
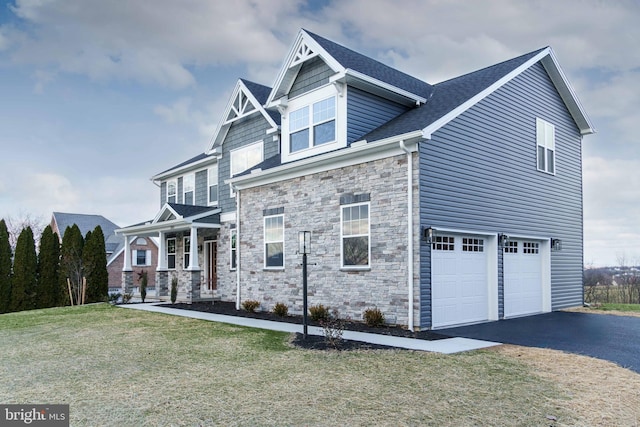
608	337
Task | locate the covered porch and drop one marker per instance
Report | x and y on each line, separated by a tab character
187	252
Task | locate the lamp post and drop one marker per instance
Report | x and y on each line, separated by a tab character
304	243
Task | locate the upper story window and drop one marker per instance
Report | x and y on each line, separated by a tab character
246	157
212	185
546	143
189	183
172	191
313	123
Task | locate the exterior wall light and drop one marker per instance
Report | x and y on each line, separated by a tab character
427	234
504	239
556	245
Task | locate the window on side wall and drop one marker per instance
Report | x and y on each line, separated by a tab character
233	251
172	191
189	182
355	236
187	251
274	241
246	157
546	144
171	254
212	174
141	257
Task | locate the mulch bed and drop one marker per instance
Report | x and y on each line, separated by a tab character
311	342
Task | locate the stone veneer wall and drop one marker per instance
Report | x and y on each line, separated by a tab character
226	276
313	203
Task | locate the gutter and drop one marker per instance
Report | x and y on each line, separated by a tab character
410	324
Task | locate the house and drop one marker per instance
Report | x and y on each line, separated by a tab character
144	250
444	204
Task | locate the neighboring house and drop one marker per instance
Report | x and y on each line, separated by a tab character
443	204
144	250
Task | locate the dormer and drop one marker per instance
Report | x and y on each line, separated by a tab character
311	93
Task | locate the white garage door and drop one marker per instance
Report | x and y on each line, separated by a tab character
459	285
522	278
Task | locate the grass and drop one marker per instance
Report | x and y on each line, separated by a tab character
620	307
125	367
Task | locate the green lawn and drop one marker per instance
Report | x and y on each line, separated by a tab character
124	367
620	307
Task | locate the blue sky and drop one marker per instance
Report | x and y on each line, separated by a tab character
96	97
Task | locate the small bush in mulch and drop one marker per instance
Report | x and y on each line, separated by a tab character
373	317
280	309
229	309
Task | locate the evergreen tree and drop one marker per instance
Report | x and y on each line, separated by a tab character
94	258
50	294
5	268
25	265
71	263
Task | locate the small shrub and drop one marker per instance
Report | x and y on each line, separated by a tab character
126	298
333	328
143	277
174	290
250	305
114	297
319	312
281	309
373	317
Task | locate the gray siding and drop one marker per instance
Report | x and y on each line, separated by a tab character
242	132
201	198
479	173
313	73
163	193
180	188
366	112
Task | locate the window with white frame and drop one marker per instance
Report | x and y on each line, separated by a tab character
212	176
171	254
355	241
312	125
141	257
546	143
233	252
274	241
187	251
189	184
246	157
172	191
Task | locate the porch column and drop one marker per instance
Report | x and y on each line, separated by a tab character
127	271
162	252
193	250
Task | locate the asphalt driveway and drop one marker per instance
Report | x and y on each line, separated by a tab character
608	337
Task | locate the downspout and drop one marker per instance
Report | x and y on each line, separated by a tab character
237	248
409	230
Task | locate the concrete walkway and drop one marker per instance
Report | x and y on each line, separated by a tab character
446	346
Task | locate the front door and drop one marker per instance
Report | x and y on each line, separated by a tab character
211	261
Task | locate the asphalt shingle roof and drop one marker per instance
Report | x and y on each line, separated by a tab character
87	223
187	211
187	162
372	68
447	96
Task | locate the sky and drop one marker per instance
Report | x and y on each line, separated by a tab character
98	96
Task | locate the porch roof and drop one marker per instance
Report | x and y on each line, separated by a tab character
175	217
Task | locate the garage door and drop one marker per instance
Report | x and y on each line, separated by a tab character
459	286
522	278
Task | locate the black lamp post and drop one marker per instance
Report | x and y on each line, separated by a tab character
304	242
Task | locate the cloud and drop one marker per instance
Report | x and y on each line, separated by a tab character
149	43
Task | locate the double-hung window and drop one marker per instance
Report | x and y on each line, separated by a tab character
355	236
546	143
141	257
212	174
312	125
246	157
187	251
274	241
189	182
172	191
171	254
